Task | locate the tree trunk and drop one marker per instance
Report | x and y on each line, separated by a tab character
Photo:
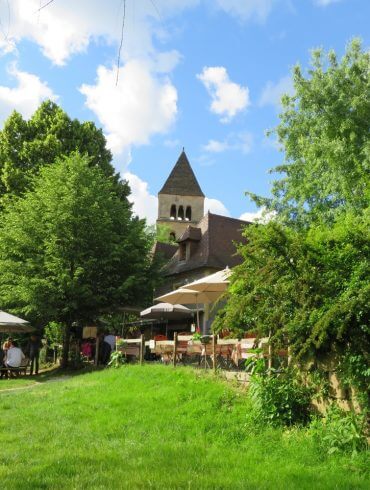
65	351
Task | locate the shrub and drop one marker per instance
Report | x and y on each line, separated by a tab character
354	372
340	431
117	359
280	398
255	364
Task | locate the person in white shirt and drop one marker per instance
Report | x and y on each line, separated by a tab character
14	356
111	340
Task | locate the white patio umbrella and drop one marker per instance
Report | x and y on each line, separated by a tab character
189	297
217	282
166	311
12	324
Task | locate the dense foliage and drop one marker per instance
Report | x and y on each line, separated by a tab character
340	431
161	233
279	398
70	247
305	275
324	133
53	333
309	286
28	145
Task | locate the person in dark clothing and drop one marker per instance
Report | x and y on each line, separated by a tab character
105	350
33	349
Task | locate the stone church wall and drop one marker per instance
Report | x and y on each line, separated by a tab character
165	201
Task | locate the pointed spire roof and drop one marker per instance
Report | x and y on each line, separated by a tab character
182	181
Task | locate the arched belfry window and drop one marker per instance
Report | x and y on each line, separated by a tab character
173	211
188	213
172	236
180	214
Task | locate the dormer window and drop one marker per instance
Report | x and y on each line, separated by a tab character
188	213
173	212
180	214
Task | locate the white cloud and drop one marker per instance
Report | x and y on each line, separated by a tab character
259	216
143	103
65	28
239	142
214	146
272	92
166	61
215	206
145	205
26	96
247	9
324	3
228	98
61	29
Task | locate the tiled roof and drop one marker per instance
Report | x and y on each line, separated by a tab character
182	181
164	250
215	249
191	233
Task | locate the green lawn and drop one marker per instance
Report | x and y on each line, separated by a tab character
153	427
25	381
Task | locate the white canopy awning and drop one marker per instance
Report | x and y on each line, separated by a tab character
11	323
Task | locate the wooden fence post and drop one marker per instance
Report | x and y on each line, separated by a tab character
97	347
174	349
214	340
142	348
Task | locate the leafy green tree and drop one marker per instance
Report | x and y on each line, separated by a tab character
71	249
161	233
26	146
305	275
310	287
324	132
53	334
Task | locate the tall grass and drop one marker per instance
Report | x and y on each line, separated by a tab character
154	427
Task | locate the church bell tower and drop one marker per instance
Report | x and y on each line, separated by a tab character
181	200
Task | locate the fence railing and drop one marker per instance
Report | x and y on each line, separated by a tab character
213	351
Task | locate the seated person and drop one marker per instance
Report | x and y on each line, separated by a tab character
14	356
6	344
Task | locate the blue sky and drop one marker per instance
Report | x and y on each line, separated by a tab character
203	74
